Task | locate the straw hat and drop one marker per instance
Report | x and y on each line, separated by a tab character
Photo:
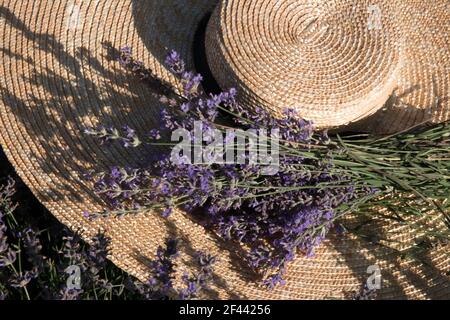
328	59
59	75
423	88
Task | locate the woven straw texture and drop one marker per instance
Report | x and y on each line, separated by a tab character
322	58
59	75
423	89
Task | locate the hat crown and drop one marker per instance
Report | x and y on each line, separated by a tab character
321	58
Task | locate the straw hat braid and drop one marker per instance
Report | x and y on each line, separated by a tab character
423	89
333	61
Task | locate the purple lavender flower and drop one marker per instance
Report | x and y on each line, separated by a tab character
167	212
185	107
154	134
365	294
7	254
175	63
33	249
191	84
98	250
130	138
163	267
70	294
160	285
274	280
8	257
22	280
194	284
125	56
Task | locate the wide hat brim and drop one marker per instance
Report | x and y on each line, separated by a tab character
59	75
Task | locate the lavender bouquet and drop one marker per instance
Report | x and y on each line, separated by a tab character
276	204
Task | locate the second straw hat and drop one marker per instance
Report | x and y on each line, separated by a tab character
334	61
